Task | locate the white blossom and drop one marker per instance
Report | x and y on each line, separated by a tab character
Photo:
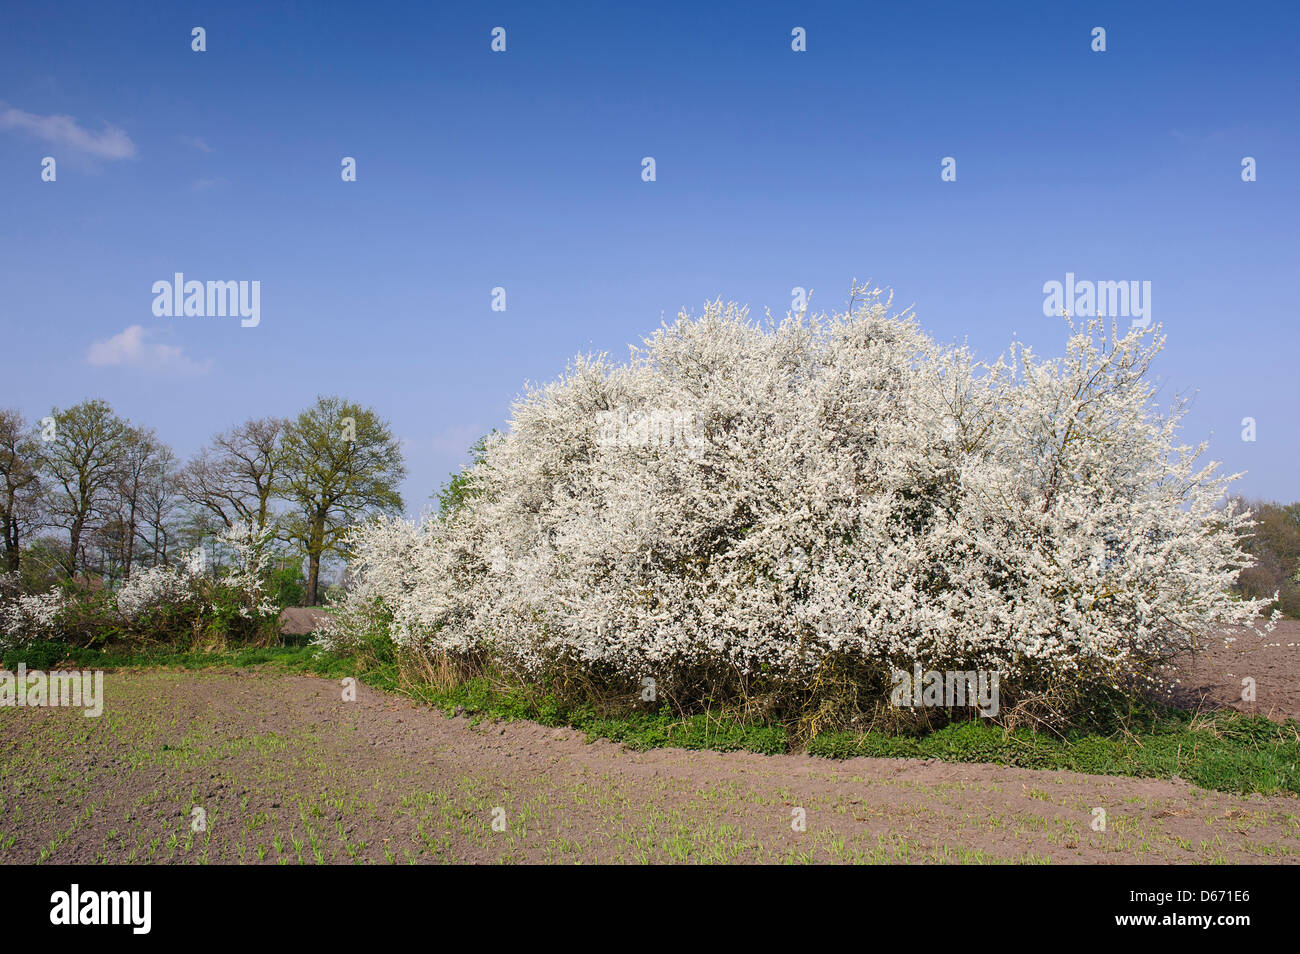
185	584
154	587
855	490
24	617
249	551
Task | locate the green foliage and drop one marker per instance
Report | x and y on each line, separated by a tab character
223	619
48	655
42	562
89	617
286	587
459	489
700	731
217	615
340	461
1227	751
38	654
81	467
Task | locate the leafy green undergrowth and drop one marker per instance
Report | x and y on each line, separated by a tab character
42	655
1225	751
480	699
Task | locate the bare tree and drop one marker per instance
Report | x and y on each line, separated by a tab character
140	450
19	484
235	479
159	499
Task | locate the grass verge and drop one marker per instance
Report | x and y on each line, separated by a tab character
1225	751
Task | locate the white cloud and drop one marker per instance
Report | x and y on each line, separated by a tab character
194	142
129	349
111	143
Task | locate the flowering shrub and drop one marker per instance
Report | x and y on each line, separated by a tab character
165	601
155	587
392	565
26	617
855	498
245	579
172	604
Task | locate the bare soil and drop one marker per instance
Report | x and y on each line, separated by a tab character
301	620
1213	678
286	771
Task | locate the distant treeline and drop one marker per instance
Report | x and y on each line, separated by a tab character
87	495
1275	545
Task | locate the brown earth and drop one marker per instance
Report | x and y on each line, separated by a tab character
1213	677
301	620
287	771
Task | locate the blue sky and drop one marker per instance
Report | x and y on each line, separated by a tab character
523	170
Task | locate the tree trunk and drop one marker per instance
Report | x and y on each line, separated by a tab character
13	547
313	553
313	574
129	555
11	532
73	546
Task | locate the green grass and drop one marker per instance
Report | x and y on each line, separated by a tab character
1224	751
59	656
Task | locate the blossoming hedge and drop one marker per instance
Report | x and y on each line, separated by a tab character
843	494
172	604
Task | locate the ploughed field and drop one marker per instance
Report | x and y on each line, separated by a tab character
285	771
